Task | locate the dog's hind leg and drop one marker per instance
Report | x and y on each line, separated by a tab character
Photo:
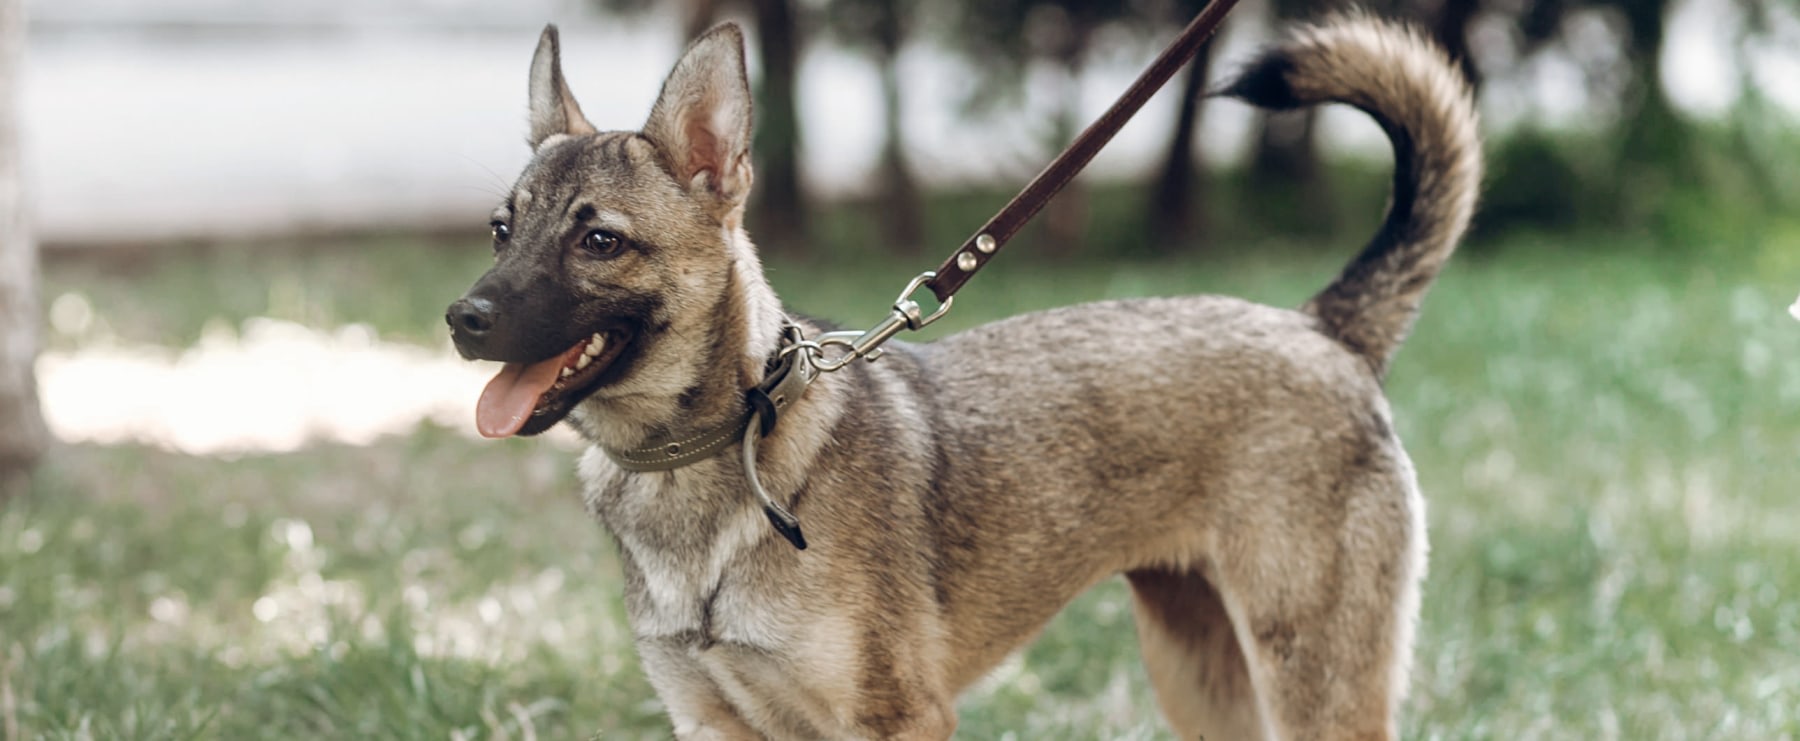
1193	657
1324	609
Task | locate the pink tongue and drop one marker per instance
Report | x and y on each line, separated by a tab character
508	399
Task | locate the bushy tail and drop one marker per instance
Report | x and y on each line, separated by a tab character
1410	87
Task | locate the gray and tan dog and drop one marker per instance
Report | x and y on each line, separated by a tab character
1236	462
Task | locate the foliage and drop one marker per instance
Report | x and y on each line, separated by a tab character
1627	161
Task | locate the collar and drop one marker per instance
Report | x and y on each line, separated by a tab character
790	371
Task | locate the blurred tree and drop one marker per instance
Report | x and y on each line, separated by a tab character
1655	146
1759	125
698	16
23	436
1619	176
1178	202
1656	137
780	203
779	207
1177	217
1284	162
1449	23
1002	38
881	27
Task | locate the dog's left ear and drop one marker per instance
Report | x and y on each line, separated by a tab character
553	108
701	122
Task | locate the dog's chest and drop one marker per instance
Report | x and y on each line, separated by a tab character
699	591
682	568
714	607
787	674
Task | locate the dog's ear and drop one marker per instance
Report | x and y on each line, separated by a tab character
701	122
553	108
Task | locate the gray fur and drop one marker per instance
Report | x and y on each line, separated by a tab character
1236	461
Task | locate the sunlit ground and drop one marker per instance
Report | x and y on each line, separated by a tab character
273	387
261	539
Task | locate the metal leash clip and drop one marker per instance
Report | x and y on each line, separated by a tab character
905	315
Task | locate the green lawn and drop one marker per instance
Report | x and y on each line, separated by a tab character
1609	437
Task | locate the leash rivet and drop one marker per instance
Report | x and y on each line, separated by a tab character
985	243
673	449
966	261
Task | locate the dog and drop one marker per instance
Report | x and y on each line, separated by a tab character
1237	463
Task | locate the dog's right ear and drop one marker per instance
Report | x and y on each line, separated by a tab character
553	108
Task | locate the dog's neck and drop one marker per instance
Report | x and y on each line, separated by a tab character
694	377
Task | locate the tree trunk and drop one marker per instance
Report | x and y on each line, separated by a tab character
1284	145
1178	205
1656	151
1655	129
779	205
1066	216
1451	29
1284	166
22	433
1285	169
902	205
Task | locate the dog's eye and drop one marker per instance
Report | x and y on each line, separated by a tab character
602	243
502	232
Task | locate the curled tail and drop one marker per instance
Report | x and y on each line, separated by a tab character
1410	87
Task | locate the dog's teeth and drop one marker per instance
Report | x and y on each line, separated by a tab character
583	362
593	350
568	372
599	341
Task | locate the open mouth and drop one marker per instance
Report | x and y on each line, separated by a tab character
528	398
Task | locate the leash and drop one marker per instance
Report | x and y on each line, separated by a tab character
986	242
799	360
981	247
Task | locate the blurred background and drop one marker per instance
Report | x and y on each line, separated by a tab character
242	497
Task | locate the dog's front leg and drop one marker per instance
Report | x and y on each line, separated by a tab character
900	704
933	721
729	729
697	709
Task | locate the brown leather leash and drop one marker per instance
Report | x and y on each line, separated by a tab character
987	241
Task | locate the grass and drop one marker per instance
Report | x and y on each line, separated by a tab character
1608	437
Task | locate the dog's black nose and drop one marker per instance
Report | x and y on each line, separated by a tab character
471	317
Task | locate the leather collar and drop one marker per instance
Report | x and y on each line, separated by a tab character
790	373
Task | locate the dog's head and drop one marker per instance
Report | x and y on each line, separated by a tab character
610	242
